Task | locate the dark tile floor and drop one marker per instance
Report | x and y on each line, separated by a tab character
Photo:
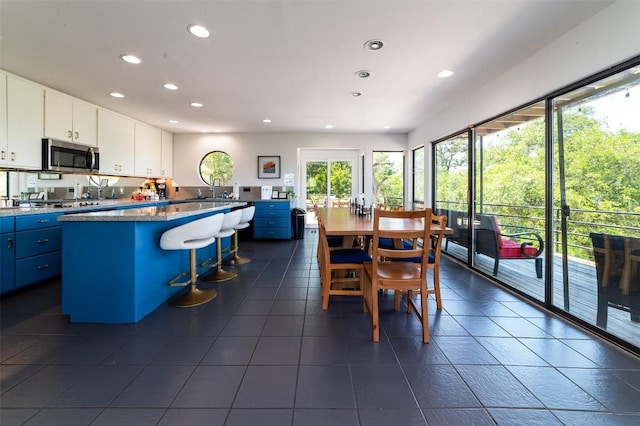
264	353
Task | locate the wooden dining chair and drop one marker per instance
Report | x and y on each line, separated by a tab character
340	269
389	268
436	238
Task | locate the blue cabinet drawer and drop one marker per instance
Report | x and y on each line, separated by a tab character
271	222
270	209
272	233
39	241
36	221
38	268
7	224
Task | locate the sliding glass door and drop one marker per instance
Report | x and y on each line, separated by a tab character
596	204
331	179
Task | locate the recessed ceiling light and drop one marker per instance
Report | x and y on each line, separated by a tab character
173	121
356	94
374	44
445	74
131	59
328	126
363	74
199	31
266	120
196	104
387	127
170	86
116	95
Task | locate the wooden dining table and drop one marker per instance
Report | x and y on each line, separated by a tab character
341	221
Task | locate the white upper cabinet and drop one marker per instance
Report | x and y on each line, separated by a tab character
70	119
167	154
23	123
116	143
148	150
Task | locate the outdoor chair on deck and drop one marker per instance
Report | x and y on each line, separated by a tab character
522	245
616	259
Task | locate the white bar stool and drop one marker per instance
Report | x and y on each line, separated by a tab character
230	221
191	236
247	215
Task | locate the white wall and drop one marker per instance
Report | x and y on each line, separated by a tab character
244	149
610	37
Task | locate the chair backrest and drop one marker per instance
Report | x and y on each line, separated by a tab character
436	236
199	229
231	219
405	225
247	214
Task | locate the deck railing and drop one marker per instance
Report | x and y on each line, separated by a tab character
581	222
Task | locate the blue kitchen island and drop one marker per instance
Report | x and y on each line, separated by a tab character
113	269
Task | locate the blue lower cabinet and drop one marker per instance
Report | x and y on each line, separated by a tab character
30	250
7	262
272	220
38	268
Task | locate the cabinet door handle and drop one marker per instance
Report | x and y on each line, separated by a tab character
46	240
41	267
13	156
43	220
69	134
77	135
3	155
9	243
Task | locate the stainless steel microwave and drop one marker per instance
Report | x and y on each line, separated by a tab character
61	156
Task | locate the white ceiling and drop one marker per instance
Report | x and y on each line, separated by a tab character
292	61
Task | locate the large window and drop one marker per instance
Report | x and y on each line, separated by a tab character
388	178
451	159
596	204
509	190
418	178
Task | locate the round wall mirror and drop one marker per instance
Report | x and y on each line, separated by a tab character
216	168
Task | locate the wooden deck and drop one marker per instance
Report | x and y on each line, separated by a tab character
583	295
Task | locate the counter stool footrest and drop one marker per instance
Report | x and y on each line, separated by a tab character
176	283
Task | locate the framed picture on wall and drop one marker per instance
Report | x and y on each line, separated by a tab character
269	167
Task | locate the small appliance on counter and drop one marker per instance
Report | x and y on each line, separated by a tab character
266	192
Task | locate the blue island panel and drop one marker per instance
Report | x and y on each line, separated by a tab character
116	272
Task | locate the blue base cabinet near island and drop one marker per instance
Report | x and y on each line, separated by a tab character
30	250
272	219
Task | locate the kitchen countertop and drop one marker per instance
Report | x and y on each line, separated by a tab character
152	213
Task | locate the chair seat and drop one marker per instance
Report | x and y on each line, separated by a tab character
514	250
243	225
349	256
225	233
395	271
387	243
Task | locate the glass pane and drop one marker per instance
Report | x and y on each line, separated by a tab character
509	199
341	183
451	177
388	179
597	181
418	178
317	182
